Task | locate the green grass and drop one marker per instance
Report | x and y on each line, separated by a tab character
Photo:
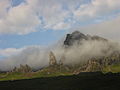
12	76
50	72
112	68
47	72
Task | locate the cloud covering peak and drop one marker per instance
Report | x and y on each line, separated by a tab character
38	57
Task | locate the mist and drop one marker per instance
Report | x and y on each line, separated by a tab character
88	49
38	57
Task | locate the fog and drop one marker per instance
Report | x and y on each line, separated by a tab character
38	57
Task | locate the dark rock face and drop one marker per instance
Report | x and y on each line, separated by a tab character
77	36
98	38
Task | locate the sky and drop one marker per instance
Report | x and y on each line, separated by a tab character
25	23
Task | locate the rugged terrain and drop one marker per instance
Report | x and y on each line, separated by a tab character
106	63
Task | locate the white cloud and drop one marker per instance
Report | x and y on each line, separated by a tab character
9	51
109	29
61	26
4	4
20	20
53	14
97	8
35	56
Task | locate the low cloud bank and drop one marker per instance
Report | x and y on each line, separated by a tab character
38	57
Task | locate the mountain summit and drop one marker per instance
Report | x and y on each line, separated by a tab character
77	37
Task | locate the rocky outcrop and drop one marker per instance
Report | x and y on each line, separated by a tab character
95	63
74	37
77	37
98	64
22	69
52	59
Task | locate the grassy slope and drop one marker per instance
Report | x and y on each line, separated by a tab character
47	72
112	68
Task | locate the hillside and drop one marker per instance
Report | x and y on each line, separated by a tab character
106	63
93	63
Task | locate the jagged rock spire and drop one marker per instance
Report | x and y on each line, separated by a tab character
52	59
22	69
62	59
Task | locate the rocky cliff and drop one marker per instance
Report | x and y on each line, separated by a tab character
77	37
94	63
